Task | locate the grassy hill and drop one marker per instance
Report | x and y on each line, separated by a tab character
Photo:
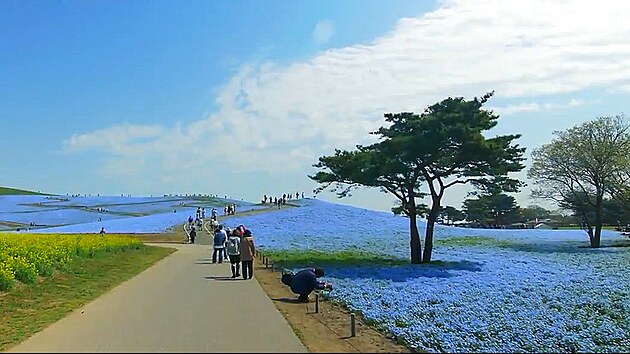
13	191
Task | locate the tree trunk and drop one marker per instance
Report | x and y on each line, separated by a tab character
428	238
414	243
595	240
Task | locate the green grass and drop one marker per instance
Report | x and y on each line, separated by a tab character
28	308
471	241
313	258
611	228
13	191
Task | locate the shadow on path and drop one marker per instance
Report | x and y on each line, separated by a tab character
222	278
288	300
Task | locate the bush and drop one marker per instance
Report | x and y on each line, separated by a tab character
24	271
23	258
6	277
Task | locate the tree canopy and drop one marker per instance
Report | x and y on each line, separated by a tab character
582	166
442	147
496	209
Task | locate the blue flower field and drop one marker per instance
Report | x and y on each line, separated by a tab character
117	214
489	291
486	291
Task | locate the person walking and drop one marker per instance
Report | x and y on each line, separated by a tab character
248	251
193	234
219	244
234	251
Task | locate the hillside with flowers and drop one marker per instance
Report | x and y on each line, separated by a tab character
485	291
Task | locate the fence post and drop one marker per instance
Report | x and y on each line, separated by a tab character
353	331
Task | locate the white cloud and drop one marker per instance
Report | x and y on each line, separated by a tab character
119	140
535	107
274	117
323	31
518	108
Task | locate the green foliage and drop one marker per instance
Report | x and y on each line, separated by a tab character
494	209
450	214
471	241
7	277
13	191
441	147
313	258
27	257
27	309
613	211
421	210
582	166
23	270
533	212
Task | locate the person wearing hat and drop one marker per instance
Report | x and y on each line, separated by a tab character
247	254
305	281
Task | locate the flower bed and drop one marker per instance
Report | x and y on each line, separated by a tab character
488	291
156	223
23	258
124	214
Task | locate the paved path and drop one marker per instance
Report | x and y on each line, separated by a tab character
182	304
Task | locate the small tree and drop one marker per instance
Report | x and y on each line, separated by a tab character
442	147
582	166
451	214
532	212
492	209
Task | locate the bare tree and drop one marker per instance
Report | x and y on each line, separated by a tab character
581	166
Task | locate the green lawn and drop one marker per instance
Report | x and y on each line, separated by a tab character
612	228
13	191
28	308
312	258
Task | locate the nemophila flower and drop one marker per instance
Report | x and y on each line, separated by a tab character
80	214
491	291
143	224
525	293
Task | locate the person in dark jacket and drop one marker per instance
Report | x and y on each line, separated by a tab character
193	235
220	237
305	281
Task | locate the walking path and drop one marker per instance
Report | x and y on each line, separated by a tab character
182	304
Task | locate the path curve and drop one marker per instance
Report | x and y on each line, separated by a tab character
181	304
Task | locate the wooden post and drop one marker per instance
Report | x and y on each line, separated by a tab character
353	331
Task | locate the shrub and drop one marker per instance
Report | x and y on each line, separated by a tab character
6	277
24	271
23	258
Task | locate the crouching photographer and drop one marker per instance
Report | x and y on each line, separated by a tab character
305	281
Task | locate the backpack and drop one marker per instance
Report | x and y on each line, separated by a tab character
233	246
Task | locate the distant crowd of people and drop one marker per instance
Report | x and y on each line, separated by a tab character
229	209
280	200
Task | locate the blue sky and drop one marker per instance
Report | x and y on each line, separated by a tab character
241	97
